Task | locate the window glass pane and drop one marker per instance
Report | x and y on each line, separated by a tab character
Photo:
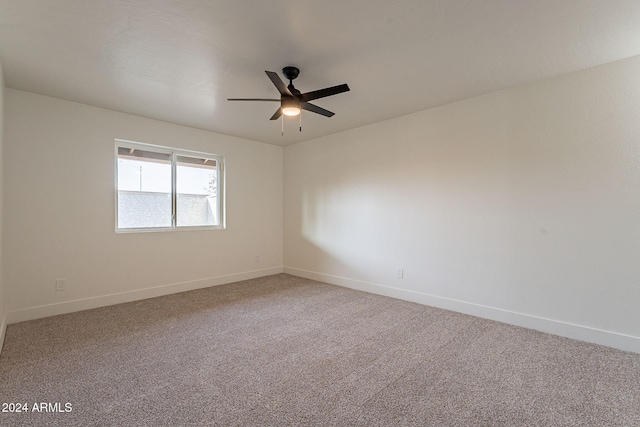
196	192
164	188
144	189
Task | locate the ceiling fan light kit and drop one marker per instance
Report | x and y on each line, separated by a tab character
292	101
290	107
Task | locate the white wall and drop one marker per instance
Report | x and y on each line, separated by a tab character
3	316
521	206
60	211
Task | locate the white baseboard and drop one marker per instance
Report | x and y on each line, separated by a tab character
47	310
578	332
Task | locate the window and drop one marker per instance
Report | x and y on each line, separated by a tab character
161	188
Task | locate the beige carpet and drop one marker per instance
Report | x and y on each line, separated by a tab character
282	350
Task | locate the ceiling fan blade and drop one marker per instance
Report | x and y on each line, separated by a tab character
277	114
279	84
334	90
252	99
315	109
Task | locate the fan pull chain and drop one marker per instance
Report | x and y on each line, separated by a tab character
300	120
282	121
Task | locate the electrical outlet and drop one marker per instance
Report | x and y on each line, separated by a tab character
61	284
399	273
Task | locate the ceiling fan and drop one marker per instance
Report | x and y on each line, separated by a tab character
291	100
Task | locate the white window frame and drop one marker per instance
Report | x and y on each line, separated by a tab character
174	153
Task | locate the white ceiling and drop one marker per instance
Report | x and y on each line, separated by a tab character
179	60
